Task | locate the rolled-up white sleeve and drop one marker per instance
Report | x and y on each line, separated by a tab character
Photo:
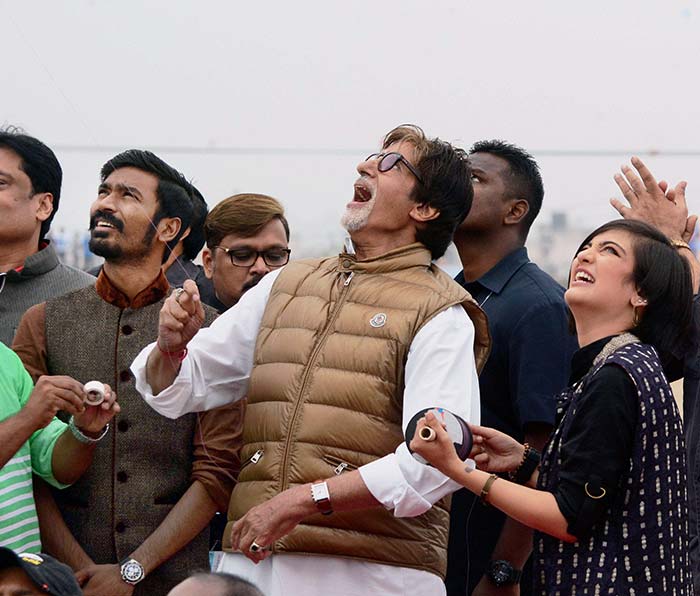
219	360
440	372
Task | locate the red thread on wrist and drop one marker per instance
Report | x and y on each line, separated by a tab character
179	355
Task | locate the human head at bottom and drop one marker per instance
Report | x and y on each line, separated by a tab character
215	584
627	276
32	574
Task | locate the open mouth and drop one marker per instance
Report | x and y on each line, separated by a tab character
362	194
104	224
584	277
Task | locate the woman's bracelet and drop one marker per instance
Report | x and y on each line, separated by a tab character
487	487
529	463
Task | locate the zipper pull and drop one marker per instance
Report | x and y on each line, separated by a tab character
256	456
346	283
340	468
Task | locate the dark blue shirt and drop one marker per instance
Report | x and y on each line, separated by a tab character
531	344
529	365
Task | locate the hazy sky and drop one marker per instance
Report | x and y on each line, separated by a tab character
285	98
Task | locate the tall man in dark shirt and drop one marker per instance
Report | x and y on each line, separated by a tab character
529	361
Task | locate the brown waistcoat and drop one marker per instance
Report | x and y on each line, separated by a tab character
326	395
142	467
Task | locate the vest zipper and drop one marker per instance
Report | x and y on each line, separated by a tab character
253	459
305	379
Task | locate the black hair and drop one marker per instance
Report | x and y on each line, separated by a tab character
446	185
194	241
663	278
174	192
230	585
40	165
524	179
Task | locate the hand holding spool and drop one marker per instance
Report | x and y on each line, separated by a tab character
456	429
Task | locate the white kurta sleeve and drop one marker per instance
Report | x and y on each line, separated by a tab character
219	359
440	372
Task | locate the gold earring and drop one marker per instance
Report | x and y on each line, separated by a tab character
635	316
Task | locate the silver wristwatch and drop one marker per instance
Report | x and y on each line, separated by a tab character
322	497
132	571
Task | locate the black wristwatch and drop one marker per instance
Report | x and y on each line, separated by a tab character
503	573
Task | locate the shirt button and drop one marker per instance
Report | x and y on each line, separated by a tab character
123	426
125	376
120	527
127	329
122	476
347	263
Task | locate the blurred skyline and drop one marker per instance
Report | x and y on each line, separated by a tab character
285	98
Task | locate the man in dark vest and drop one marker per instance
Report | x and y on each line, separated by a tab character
136	523
336	355
30	190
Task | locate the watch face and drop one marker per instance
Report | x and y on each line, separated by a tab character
501	572
132	571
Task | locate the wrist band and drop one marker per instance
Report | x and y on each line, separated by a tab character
83	438
487	487
179	355
681	244
529	463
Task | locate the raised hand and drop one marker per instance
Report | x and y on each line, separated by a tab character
654	202
180	318
495	451
94	418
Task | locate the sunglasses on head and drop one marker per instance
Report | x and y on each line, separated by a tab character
389	160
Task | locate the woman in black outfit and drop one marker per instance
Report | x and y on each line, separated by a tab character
608	498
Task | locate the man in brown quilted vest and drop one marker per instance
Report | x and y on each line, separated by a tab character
336	355
137	523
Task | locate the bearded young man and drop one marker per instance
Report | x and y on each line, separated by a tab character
137	522
336	355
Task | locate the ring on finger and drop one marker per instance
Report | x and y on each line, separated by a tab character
177	293
255	547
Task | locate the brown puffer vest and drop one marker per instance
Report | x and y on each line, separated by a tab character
326	395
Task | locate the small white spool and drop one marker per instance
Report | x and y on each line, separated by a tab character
95	393
427	434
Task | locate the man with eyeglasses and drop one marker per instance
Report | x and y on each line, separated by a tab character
137	522
247	236
336	355
30	190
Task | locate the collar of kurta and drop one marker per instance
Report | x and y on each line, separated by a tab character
413	255
158	288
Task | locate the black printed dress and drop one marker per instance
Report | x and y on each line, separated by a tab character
639	545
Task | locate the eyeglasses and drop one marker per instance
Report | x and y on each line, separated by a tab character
389	160
243	257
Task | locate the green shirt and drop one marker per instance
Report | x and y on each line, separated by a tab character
19	526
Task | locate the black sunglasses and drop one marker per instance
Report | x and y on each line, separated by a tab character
389	160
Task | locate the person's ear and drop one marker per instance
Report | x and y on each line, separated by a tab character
517	210
168	229
208	262
45	206
424	212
